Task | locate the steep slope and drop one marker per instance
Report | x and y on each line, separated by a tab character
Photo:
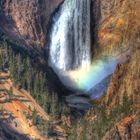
19	111
124	90
8	133
121	30
15	107
118	26
115	26
27	20
116	116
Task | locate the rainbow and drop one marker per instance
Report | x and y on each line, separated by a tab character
88	79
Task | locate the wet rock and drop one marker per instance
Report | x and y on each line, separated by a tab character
26	20
78	101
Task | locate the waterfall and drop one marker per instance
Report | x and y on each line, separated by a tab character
70	52
70	36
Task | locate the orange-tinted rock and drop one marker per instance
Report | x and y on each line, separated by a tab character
127	129
27	20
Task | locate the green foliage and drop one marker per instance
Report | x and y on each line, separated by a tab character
33	80
96	129
26	76
126	105
10	92
37	120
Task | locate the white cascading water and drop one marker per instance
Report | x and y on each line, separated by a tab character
70	36
70	51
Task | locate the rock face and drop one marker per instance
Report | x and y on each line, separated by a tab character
124	33
27	20
124	89
122	30
128	128
7	133
115	24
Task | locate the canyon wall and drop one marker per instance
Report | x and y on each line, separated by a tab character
119	29
26	20
115	26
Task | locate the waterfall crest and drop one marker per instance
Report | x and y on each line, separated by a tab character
70	36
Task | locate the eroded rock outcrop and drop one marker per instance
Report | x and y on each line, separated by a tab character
128	128
124	87
6	133
115	25
26	20
125	80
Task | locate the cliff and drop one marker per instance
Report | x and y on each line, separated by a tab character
120	29
27	20
115	116
115	26
21	118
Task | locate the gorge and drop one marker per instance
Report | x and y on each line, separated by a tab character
69	69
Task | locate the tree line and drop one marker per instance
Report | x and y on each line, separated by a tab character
35	81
